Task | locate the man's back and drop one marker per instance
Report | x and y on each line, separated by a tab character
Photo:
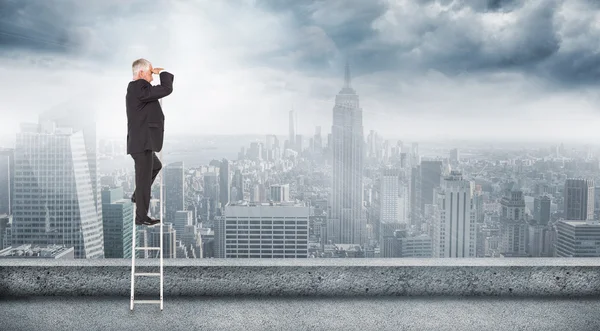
145	118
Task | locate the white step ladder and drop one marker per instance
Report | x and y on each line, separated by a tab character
134	250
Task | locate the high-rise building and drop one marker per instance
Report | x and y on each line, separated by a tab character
577	238
238	183
255	151
7	178
513	225
347	221
69	115
55	201
415	194
454	227
292	130
454	156
211	191
280	193
541	209
263	230
579	199
224	183
183	218
299	146
169	240
389	196
117	219
174	193
431	174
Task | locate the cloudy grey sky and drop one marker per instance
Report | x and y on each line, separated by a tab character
424	69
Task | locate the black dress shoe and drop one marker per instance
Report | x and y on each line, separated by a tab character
133	198
149	221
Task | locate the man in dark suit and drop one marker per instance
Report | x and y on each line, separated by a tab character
145	131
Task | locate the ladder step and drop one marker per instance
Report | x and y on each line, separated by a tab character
147	273
146	301
148	248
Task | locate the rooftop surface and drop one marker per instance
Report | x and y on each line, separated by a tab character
301	313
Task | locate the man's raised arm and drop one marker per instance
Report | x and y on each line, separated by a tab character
150	92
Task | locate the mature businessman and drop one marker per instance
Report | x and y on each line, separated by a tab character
145	131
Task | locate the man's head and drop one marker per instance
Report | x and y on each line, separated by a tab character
142	69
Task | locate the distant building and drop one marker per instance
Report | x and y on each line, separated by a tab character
577	238
263	230
579	199
38	252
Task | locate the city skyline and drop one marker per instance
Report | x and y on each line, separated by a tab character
423	71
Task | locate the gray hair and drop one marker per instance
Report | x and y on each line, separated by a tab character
139	65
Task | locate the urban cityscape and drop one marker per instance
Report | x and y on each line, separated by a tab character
64	194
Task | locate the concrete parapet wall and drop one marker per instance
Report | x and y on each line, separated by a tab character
527	277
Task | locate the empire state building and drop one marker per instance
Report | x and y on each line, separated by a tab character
347	222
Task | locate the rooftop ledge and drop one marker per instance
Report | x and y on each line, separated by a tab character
526	277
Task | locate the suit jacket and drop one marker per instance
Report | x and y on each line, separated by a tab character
145	118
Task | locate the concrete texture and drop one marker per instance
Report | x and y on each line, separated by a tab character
383	313
525	277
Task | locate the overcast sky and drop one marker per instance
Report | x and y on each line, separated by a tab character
424	69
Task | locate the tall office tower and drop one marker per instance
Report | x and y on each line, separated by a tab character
211	191
263	231
537	243
415	194
454	227
183	218
238	183
117	216
174	190
54	191
371	143
7	176
541	209
280	192
431	174
318	140
169	240
513	225
454	156
478	203
389	196
292	130
255	151
347	222
224	183
579	199
299	140
577	238
69	115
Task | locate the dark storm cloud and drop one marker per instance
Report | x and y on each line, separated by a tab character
60	27
447	42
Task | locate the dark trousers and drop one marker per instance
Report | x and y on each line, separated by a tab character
147	166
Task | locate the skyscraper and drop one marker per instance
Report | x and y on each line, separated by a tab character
117	215
347	221
431	174
224	183
174	190
541	209
7	176
292	131
54	190
513	225
389	196
579	199
211	191
454	231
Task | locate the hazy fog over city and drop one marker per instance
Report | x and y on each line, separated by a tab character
424	70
